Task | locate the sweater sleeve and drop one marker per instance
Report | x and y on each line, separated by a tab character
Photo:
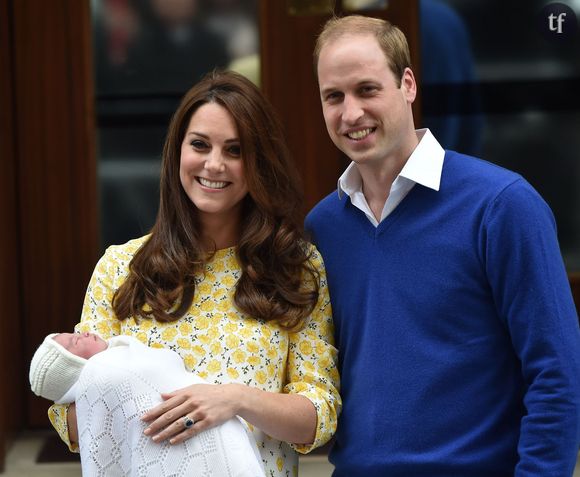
97	317
312	365
532	294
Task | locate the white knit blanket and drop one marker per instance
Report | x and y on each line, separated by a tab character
115	389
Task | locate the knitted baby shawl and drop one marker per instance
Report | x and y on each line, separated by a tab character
115	389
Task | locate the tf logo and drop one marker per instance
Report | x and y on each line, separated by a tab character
557	21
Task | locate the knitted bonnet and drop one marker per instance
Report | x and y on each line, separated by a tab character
54	369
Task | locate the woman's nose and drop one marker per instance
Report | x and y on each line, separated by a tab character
215	162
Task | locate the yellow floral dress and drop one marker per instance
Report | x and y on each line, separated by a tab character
222	345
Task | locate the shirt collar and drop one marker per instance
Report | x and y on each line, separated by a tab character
424	166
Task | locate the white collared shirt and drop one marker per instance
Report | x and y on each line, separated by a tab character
424	167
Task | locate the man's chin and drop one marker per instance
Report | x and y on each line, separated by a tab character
359	158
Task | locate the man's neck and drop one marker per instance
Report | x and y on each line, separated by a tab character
378	177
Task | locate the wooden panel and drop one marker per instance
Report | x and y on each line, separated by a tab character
54	130
289	82
12	370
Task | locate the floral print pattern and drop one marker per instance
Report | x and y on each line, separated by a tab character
221	344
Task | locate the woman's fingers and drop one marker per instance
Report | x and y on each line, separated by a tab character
198	426
170	423
183	432
183	428
188	411
164	408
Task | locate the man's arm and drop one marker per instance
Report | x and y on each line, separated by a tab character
532	294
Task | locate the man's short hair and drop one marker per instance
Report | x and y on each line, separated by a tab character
391	40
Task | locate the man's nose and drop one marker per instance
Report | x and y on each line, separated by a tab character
352	110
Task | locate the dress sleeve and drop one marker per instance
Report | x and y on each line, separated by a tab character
312	364
57	414
532	295
97	317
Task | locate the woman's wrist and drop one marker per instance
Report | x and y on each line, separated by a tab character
287	417
239	398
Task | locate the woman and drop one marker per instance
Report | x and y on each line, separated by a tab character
226	279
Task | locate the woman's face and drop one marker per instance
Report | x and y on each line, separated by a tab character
211	165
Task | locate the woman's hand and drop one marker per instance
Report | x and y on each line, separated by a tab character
208	405
71	421
286	417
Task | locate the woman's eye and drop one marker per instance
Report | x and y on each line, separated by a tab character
197	144
235	151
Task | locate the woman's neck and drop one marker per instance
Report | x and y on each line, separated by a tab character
220	233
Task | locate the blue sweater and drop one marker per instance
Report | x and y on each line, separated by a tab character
458	339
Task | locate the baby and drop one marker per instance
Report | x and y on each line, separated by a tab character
113	383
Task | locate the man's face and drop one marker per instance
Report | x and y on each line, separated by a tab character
83	345
368	117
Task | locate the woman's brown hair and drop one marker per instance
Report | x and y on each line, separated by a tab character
278	282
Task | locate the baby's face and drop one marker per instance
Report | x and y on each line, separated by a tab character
83	345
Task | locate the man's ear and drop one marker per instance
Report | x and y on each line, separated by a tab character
409	85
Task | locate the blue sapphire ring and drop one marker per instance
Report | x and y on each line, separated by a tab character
188	422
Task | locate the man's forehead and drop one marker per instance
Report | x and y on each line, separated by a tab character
365	40
351	52
355	74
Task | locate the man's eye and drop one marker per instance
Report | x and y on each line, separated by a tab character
367	89
332	97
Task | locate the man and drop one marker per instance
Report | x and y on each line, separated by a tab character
458	337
